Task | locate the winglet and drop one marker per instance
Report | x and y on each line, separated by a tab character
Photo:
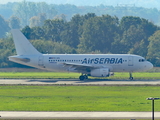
22	44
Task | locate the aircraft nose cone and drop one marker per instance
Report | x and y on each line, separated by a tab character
149	65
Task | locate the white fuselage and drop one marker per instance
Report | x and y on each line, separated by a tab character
115	62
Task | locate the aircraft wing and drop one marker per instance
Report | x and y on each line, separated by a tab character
80	67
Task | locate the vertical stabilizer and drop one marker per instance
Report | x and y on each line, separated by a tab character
22	44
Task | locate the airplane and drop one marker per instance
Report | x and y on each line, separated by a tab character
95	65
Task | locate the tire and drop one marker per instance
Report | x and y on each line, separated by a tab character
86	77
131	78
81	77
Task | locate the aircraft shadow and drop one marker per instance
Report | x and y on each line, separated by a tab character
46	81
117	80
52	80
88	80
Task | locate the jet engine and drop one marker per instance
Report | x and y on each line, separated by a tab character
102	72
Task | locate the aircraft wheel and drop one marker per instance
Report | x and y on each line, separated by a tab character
131	78
86	77
81	77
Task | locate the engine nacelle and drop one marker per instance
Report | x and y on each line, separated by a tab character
102	72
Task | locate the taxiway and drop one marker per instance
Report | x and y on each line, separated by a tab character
78	115
78	82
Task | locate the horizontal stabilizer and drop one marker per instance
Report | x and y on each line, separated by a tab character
15	58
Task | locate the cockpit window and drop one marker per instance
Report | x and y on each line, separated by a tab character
142	60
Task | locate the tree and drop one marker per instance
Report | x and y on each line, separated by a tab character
154	48
4	27
45	47
48	10
61	17
128	21
72	31
60	48
37	33
50	47
25	10
131	38
148	27
7	49
53	29
34	21
14	22
139	48
98	34
135	32
27	31
37	20
42	17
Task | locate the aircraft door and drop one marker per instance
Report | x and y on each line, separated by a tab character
40	61
130	61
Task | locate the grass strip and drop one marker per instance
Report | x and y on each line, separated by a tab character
78	98
53	75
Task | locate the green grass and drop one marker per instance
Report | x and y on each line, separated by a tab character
78	98
140	75
52	75
42	75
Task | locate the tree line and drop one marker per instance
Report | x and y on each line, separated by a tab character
90	33
34	13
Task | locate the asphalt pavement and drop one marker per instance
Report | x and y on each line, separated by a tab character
78	82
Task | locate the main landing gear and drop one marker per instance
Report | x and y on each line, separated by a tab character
83	77
130	76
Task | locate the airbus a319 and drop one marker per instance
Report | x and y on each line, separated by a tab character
95	65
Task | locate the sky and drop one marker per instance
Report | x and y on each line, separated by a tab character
138	3
6	1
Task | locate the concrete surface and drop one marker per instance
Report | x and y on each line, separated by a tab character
78	115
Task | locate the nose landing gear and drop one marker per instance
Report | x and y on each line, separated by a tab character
130	76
